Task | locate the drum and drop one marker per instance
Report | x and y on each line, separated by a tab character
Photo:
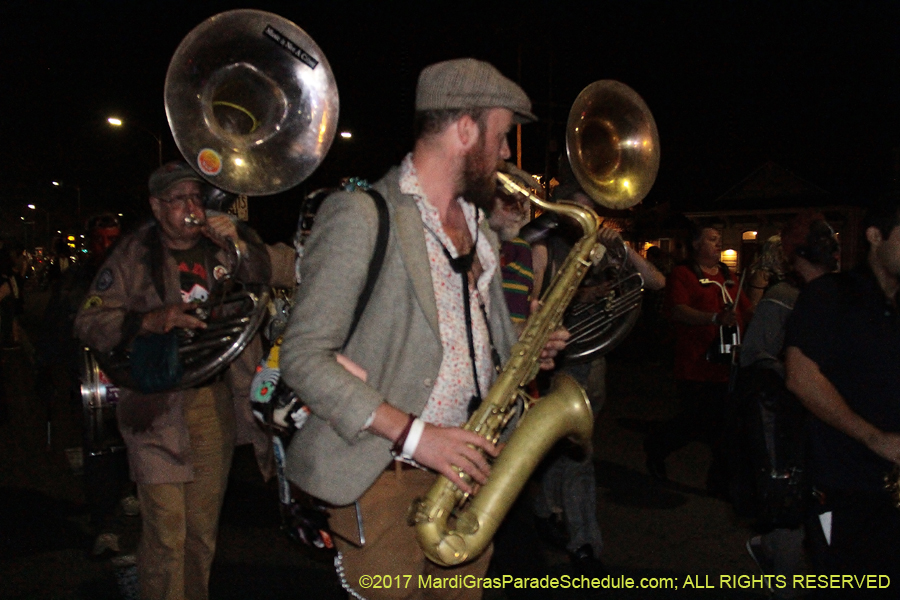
99	397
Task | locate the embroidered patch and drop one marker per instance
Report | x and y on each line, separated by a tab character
104	280
93	301
219	271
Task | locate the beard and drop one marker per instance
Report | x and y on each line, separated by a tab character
479	183
510	231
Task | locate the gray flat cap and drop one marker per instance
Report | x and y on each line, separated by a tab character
468	83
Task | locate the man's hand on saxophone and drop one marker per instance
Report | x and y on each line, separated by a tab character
439	448
443	448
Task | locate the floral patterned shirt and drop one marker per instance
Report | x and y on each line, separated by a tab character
454	387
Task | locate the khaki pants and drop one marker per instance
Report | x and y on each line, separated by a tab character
391	556
181	520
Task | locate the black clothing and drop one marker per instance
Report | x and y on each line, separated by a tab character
844	324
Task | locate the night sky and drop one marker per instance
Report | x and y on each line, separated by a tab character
812	86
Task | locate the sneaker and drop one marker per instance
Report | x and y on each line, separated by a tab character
131	506
106	545
759	556
585	563
124	560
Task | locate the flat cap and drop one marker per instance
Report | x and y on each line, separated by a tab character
169	174
466	83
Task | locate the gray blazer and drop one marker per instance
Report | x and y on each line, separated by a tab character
397	339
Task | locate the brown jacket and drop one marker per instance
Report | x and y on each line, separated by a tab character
128	286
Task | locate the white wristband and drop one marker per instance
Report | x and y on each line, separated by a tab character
412	440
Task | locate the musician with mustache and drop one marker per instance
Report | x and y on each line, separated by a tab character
419	358
842	357
180	443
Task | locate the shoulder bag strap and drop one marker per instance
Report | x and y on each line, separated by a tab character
376	262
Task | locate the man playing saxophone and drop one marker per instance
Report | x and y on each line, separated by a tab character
388	402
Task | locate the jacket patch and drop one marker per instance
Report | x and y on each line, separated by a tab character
93	302
197	293
104	280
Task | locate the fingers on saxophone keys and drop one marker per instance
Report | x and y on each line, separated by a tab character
475	466
481	443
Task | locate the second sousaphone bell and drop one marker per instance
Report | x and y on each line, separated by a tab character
613	144
613	148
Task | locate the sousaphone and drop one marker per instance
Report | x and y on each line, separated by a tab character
253	106
613	148
251	102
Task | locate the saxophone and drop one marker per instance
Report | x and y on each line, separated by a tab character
565	412
613	148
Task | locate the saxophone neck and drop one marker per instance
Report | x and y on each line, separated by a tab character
585	216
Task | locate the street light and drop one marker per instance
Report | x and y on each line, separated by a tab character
47	215
116	122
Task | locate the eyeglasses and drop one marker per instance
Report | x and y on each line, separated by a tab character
515	202
184	199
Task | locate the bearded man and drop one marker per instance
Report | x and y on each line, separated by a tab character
389	400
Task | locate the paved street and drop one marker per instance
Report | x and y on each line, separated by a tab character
650	531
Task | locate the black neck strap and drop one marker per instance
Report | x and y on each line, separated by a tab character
463	265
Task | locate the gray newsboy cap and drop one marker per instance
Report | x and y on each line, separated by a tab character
169	174
468	83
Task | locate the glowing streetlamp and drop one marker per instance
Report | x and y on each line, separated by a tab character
46	215
116	122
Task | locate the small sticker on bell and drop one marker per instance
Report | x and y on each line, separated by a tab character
298	52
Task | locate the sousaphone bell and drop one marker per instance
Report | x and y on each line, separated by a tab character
251	102
613	147
253	106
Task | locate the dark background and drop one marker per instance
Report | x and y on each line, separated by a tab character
813	86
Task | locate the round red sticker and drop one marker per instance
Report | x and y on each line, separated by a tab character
209	161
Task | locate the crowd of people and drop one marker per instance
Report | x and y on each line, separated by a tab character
790	381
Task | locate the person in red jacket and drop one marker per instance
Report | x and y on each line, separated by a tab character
700	296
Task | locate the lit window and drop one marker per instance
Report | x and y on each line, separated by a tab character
730	258
749	236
